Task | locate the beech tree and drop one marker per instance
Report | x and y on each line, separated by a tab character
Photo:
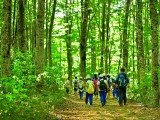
154	39
6	38
40	38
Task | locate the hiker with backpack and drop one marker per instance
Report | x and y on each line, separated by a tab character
89	90
95	80
81	88
115	89
109	84
103	88
75	85
67	86
122	82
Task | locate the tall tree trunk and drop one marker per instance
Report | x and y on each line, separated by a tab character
50	34
21	26
93	49
121	49
40	38
33	40
83	37
107	38
133	49
6	37
14	26
154	37
103	36
140	41
125	41
69	19
146	40
46	48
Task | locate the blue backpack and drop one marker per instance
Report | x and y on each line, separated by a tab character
122	79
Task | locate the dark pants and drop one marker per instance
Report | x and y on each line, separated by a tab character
81	94
122	94
67	90
90	97
115	93
103	96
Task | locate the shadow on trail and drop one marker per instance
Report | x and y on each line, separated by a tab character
76	109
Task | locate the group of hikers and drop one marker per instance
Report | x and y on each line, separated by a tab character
100	84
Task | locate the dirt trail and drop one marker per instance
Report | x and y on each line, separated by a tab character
76	109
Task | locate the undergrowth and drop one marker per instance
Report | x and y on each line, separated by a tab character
25	96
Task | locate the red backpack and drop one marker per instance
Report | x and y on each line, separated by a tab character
95	82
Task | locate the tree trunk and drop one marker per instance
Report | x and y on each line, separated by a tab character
140	41
33	40
46	48
107	38
154	37
40	38
103	36
14	26
50	34
21	26
125	41
146	40
69	19
6	38
83	37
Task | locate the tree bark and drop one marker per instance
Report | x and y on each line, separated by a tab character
68	20
6	38
33	40
21	26
125	41
83	37
103	36
154	37
14	27
46	48
40	38
50	34
107	39
140	41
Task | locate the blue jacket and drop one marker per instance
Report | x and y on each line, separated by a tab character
123	76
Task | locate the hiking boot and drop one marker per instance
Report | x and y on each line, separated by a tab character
120	104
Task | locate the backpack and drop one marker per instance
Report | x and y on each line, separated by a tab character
122	79
75	83
95	83
90	88
80	86
102	85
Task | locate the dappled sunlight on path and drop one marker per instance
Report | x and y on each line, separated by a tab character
76	109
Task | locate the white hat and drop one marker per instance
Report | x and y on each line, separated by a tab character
88	77
101	75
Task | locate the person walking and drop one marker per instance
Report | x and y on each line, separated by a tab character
81	88
122	81
67	86
103	87
95	80
89	90
108	78
75	85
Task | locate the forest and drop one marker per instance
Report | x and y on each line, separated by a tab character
45	42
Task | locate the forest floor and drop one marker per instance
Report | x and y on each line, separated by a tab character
76	109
